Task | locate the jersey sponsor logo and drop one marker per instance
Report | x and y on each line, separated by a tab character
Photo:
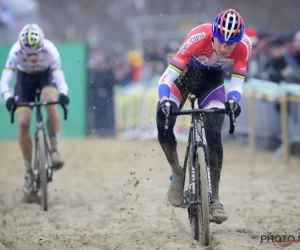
37	66
214	63
248	46
33	67
220	63
191	40
163	78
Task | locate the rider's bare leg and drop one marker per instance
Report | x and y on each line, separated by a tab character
213	125
25	142
169	146
49	94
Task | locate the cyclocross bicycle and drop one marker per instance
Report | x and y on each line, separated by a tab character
198	195
42	170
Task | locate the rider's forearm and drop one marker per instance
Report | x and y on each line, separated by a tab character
164	98
60	81
6	78
236	88
166	80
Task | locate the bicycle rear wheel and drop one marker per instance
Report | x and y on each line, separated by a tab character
204	207
42	167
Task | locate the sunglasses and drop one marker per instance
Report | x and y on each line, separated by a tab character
32	54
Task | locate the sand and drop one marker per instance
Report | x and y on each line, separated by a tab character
111	194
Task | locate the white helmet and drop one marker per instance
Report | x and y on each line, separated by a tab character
31	38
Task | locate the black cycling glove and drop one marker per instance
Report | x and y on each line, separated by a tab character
163	108
236	108
11	104
63	100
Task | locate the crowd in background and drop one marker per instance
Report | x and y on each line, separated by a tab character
274	58
130	67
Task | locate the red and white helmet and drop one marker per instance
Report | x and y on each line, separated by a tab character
228	26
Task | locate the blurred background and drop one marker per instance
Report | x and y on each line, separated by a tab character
121	43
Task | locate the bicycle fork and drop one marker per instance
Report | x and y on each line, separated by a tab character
191	196
207	165
194	195
208	175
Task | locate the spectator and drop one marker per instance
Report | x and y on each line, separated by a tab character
292	57
257	56
121	69
296	44
276	68
136	62
147	71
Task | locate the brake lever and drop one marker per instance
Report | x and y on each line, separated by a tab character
12	116
65	108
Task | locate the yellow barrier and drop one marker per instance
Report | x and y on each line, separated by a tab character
251	95
127	111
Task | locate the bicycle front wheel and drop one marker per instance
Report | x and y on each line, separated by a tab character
194	209
204	207
43	168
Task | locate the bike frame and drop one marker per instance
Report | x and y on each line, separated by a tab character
198	195
197	139
40	126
